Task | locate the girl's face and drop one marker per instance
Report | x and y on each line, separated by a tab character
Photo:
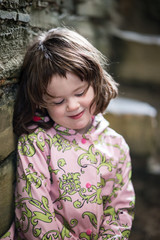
70	104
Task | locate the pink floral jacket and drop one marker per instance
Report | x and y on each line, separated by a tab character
73	186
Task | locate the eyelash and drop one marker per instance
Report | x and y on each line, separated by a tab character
77	95
80	94
58	103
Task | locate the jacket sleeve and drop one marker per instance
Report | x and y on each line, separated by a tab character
118	207
34	211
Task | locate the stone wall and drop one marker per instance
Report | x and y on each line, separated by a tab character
97	20
14	19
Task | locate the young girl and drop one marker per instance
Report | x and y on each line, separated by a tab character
74	172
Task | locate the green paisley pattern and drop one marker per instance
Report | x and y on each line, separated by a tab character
35	211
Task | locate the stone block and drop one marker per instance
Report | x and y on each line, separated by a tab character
84	27
16	4
6	15
7	141
68	6
7	178
136	122
96	35
13	41
23	17
11	67
94	8
93	32
7	138
140	16
137	62
44	19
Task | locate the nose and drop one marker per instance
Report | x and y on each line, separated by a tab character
72	105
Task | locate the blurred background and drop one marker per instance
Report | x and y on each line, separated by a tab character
127	32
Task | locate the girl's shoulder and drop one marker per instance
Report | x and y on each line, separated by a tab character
105	135
111	135
40	140
116	138
104	128
38	134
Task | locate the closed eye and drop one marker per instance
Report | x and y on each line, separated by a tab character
81	93
58	103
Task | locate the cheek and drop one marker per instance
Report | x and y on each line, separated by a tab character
54	112
93	108
90	96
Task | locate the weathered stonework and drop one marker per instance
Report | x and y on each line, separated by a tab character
7	138
14	39
7	179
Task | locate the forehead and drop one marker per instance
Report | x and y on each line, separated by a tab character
62	86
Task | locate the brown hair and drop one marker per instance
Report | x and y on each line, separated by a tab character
58	51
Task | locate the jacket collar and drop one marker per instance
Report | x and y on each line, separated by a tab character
99	124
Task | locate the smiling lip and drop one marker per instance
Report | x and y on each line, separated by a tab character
79	115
